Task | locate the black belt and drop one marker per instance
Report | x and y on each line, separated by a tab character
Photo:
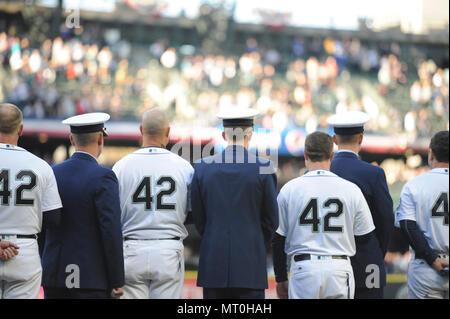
173	238
20	236
308	257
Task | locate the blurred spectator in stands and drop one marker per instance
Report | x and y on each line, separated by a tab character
298	47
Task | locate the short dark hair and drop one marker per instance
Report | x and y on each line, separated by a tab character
348	139
318	146
10	118
85	139
439	146
236	133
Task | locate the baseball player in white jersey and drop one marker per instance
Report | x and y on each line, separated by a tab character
29	200
422	214
320	215
153	186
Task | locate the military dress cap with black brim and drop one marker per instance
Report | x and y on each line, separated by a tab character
235	117
88	123
348	123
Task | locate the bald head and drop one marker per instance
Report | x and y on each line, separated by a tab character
155	123
10	119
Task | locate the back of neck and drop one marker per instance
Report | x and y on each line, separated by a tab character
439	165
150	141
241	144
89	150
353	148
8	139
313	166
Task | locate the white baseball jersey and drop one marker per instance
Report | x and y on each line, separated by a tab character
320	213
153	186
424	199
27	188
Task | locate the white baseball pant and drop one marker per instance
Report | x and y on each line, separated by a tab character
20	277
323	278
154	269
424	282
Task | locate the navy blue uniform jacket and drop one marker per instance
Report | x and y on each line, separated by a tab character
372	182
90	234
235	210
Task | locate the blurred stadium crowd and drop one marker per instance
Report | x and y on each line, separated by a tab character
75	74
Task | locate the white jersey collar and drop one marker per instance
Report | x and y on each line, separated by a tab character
11	147
319	172
151	150
440	170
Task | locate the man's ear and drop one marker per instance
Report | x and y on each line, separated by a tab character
306	156
168	132
224	136
140	130
250	135
100	139
335	140
21	130
71	140
361	137
430	157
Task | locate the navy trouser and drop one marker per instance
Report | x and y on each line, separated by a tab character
233	293
65	293
369	293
